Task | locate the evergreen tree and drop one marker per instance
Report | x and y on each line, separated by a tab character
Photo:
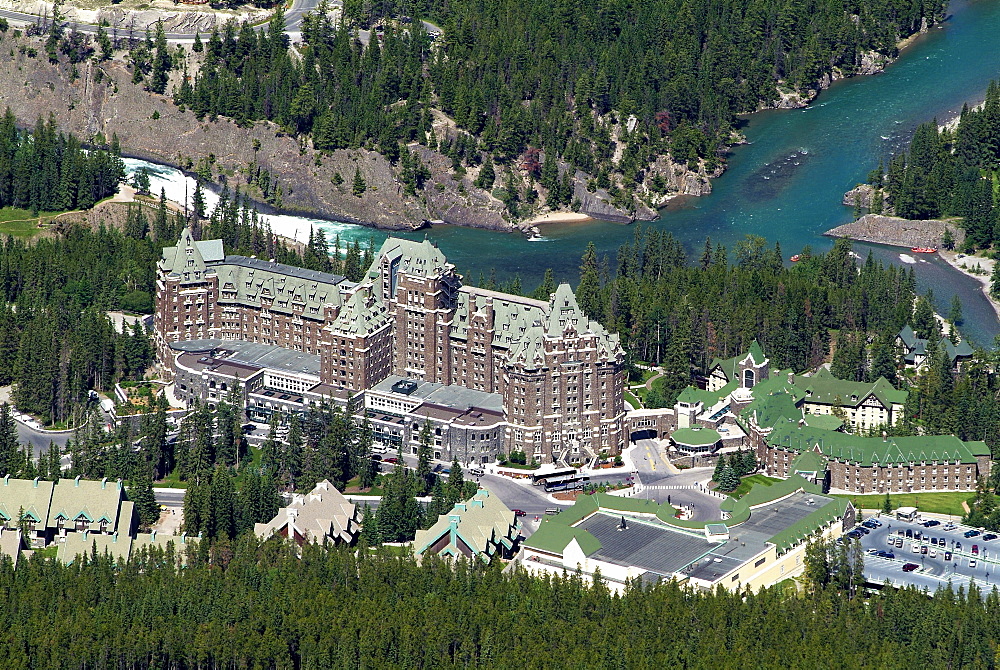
720	465
423	473
358	186
146	507
588	292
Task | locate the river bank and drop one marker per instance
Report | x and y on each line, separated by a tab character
965	263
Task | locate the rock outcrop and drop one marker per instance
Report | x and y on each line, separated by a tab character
860	195
897	232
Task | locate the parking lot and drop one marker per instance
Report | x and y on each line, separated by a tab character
937	554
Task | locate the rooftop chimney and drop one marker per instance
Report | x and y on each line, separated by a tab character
76	481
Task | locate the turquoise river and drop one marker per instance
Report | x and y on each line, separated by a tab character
785	185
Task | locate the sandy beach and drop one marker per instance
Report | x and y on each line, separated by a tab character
958	260
558	217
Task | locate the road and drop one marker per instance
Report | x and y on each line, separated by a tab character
932	571
293	22
665	483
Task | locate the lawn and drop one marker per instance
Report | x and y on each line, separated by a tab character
945	502
751	481
632	400
20	222
171	481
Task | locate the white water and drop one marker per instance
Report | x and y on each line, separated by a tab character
180	189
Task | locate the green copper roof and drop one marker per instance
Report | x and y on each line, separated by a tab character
761	495
801	530
695	437
874	450
768	409
730	366
689	395
824	388
553	536
694	395
809	461
824	421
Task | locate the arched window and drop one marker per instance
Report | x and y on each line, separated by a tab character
748	379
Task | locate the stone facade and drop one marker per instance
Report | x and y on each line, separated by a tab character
559	374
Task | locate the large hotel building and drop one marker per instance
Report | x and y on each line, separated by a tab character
491	372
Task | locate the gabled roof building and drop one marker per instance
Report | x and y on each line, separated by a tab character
914	349
322	515
481	527
55	511
557	374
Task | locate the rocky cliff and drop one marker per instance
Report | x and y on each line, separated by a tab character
93	99
898	232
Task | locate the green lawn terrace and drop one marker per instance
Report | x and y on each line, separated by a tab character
756	541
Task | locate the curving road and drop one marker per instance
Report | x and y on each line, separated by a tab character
294	16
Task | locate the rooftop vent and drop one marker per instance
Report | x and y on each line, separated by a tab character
404	386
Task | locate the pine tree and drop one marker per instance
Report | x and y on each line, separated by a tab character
358	186
720	465
146	507
423	472
455	488
588	292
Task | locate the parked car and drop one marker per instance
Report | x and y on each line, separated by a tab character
989	536
916	548
972	562
886	554
909	532
932	553
975	550
891	540
519	512
971	533
376	457
392	459
950	526
947	555
958	546
931	523
910	567
923	549
899	543
863	530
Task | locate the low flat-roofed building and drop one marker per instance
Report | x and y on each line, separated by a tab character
760	541
321	515
466	424
481	527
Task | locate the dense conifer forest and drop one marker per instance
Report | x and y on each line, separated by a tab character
238	604
45	169
949	172
530	83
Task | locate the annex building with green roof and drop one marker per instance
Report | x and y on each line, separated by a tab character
759	540
859	464
865	406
